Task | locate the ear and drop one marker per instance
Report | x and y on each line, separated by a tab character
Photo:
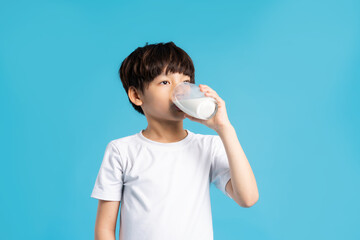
135	96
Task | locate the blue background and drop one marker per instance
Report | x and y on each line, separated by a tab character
287	70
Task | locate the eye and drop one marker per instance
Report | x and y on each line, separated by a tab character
189	81
163	81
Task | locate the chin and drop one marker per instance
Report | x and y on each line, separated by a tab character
180	115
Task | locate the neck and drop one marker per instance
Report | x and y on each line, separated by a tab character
165	132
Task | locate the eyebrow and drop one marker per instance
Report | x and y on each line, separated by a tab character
165	76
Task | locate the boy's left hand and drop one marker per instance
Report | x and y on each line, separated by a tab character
220	119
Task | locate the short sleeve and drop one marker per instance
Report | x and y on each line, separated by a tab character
109	181
220	170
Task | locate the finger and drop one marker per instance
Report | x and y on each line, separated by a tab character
206	88
211	92
217	98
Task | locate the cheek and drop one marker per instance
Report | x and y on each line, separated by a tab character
158	97
160	100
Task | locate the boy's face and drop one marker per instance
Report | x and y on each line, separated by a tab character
156	101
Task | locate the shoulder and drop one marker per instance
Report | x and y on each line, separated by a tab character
121	148
122	144
206	139
211	142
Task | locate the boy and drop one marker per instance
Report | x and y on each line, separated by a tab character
162	174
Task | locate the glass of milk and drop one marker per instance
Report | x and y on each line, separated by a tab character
189	98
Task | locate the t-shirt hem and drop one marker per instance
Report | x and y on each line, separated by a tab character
227	177
107	197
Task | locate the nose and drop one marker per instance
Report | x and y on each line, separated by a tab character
173	88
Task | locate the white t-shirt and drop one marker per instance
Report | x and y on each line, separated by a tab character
163	187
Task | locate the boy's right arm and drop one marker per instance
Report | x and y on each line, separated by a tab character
106	217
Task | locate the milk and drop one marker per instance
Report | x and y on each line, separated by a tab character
191	100
203	107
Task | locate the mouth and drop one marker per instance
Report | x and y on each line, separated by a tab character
178	109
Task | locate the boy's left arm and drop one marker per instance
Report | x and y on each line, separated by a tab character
242	184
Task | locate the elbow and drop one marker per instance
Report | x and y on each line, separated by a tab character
250	203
